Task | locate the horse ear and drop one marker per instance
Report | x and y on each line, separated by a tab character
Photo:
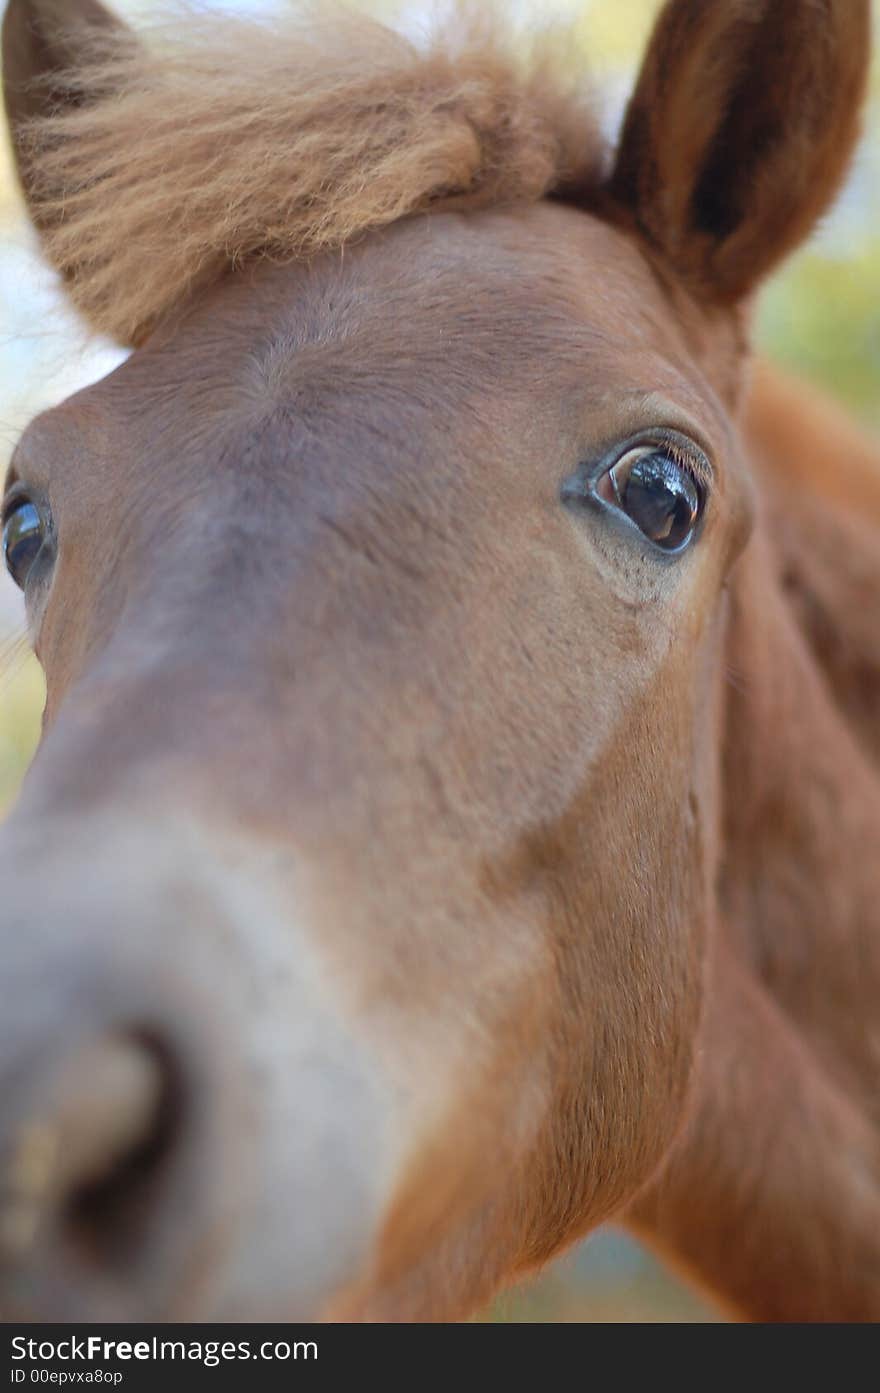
44	43
739	132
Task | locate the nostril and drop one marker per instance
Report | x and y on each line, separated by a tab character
85	1159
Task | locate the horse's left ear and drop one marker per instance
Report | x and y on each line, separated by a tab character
740	130
45	42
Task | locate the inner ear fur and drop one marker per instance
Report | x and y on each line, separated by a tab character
739	132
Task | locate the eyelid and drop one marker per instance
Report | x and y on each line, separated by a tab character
16	495
705	428
686	452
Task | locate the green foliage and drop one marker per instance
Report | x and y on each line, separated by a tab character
22	692
821	317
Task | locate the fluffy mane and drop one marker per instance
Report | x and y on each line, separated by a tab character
218	140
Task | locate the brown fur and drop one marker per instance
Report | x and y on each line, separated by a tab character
226	139
734	104
787	1104
461	872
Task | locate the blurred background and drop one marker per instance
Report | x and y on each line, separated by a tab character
821	316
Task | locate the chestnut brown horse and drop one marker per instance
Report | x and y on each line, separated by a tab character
456	823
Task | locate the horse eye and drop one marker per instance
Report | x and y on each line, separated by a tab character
657	492
23	536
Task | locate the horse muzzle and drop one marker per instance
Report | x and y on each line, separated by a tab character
187	1129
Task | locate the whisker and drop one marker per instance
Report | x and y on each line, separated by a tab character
736	679
15	650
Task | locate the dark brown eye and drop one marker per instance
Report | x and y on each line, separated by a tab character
657	491
23	536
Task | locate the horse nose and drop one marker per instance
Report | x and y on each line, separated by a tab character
189	1127
101	1141
83	1146
182	1172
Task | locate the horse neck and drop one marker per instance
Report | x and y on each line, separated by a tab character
800	876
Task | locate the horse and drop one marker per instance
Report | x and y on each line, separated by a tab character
455	823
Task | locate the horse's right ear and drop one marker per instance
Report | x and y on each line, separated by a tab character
44	42
740	131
